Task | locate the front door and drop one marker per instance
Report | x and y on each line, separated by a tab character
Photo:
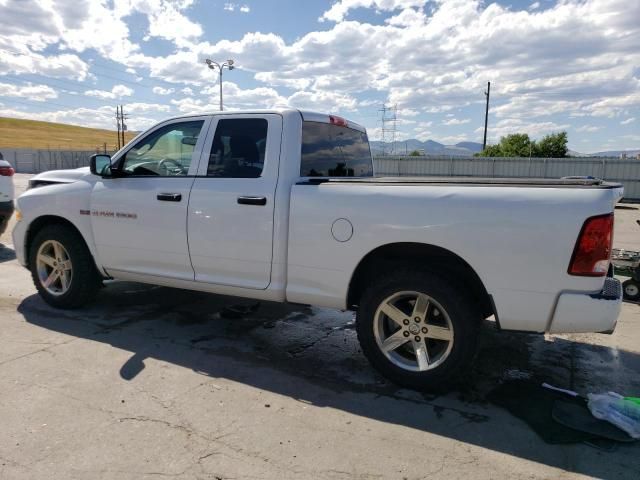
140	217
232	201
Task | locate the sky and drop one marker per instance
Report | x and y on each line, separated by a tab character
569	65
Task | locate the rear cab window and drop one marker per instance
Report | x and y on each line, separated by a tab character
330	150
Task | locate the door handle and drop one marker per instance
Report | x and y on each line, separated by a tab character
252	201
169	197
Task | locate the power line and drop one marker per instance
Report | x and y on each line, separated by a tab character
32	103
52	83
97	64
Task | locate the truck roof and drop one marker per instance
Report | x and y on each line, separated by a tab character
307	115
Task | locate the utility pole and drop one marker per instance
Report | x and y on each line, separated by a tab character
118	122
486	115
123	117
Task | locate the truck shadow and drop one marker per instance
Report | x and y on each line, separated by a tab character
312	355
6	253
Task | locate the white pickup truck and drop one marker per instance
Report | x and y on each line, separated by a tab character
283	206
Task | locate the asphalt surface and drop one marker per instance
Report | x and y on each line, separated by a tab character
152	382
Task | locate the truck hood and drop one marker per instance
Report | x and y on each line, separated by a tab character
61	176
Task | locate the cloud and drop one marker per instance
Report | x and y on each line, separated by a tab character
135	108
118	91
564	59
36	93
232	7
455	121
587	128
234	97
98	118
323	101
163	91
339	10
23	61
628	121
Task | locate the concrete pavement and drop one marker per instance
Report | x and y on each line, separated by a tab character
152	382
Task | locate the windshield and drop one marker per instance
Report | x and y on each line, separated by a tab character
334	151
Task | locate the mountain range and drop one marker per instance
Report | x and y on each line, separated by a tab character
428	147
468	149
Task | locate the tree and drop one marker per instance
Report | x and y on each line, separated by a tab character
415	153
553	145
513	145
520	145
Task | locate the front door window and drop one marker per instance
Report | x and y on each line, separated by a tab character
165	152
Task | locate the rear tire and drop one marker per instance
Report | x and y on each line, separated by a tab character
417	330
62	267
631	290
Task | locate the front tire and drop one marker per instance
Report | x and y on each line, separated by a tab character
62	268
416	329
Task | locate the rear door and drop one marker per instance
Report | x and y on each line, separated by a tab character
140	218
230	225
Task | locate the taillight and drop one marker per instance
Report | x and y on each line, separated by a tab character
7	171
338	121
592	252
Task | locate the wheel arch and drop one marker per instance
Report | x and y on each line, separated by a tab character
44	221
428	257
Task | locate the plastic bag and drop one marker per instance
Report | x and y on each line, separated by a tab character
612	407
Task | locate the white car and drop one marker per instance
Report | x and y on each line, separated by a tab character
282	205
7	193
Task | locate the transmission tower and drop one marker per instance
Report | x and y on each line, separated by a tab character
389	124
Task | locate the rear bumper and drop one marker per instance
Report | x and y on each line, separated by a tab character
6	210
584	313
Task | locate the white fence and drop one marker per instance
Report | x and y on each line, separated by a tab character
36	161
625	171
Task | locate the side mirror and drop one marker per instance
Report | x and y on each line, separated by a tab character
100	164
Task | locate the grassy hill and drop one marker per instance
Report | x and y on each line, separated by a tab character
19	133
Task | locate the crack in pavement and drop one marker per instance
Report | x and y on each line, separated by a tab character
48	348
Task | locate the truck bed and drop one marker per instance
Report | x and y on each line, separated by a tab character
476	181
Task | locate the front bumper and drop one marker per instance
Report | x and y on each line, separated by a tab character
584	313
6	210
19	235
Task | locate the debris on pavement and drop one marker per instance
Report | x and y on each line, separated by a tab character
616	409
558	416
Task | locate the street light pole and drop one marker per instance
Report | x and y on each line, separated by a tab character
220	81
220	66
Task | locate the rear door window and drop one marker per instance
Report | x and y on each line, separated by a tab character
238	148
334	151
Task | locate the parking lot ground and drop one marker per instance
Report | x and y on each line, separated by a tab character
153	382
